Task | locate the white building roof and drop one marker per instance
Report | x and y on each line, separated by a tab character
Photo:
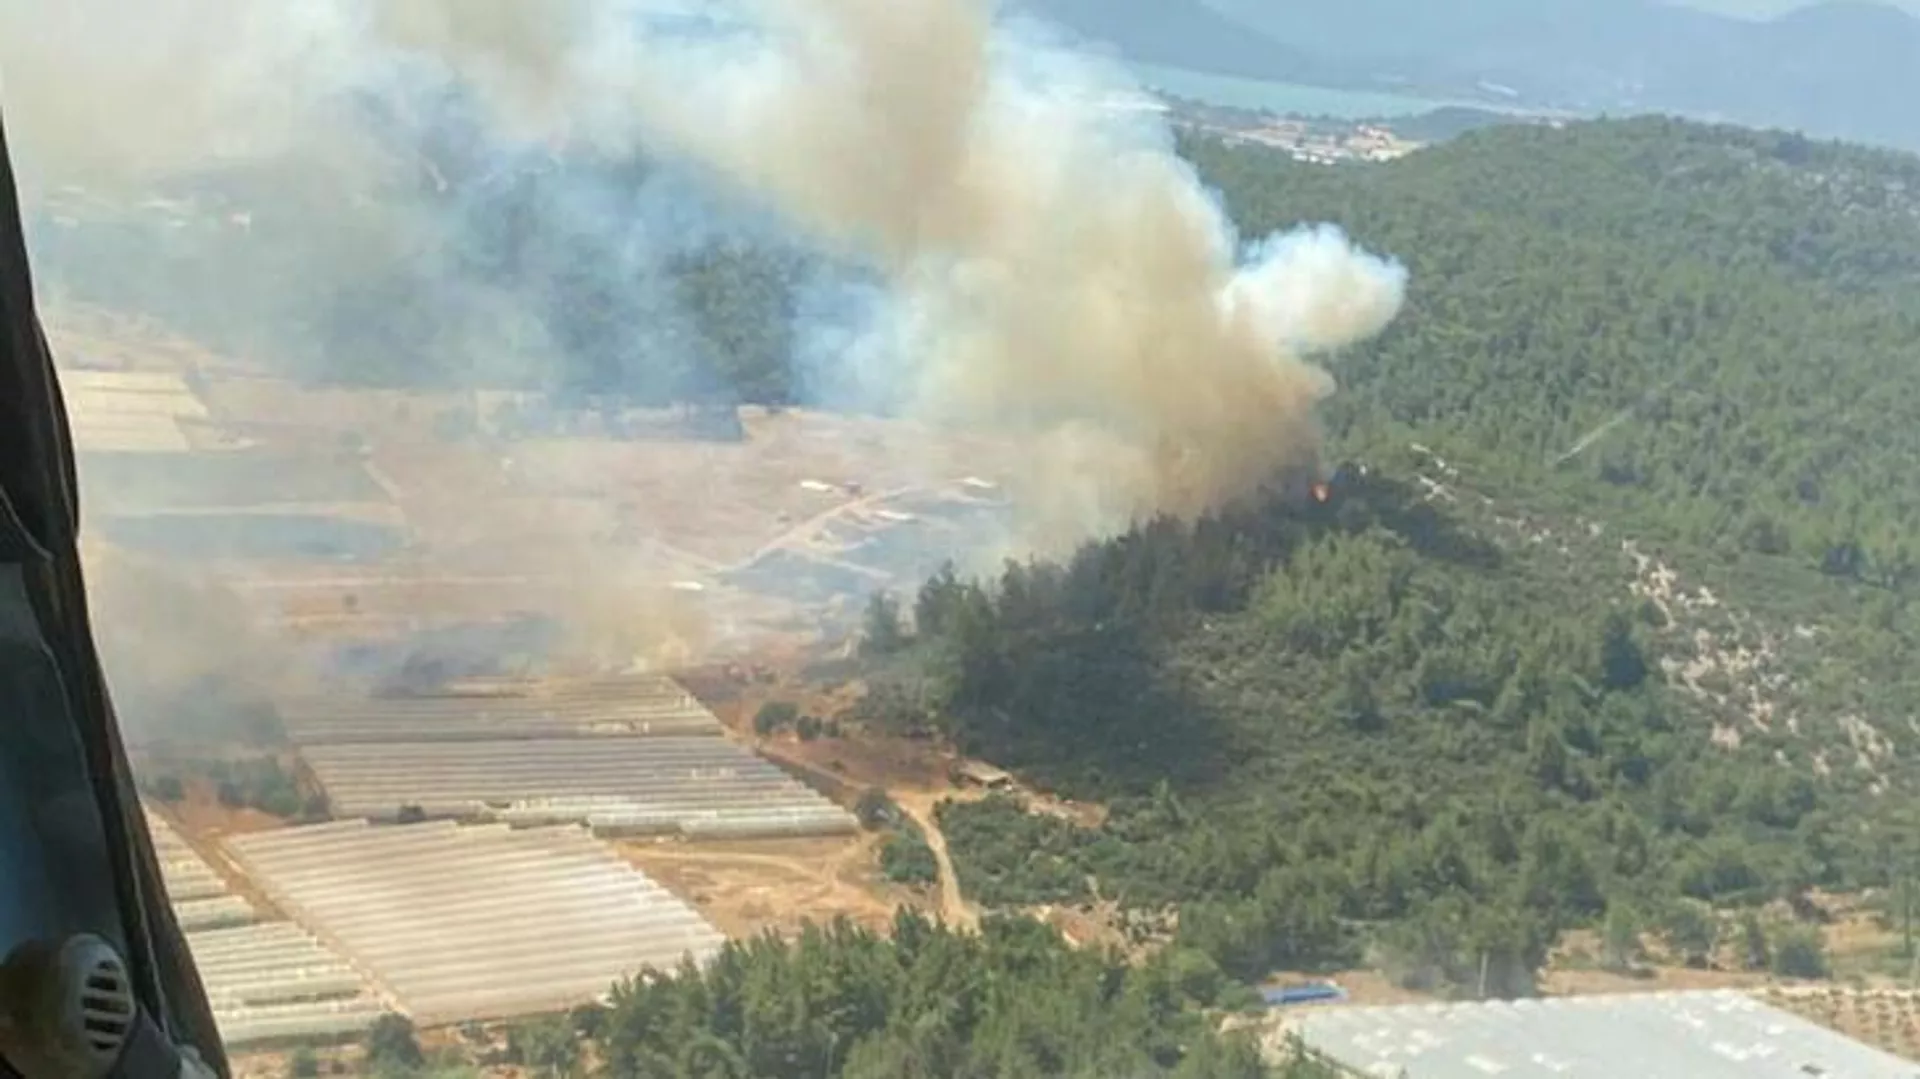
1690	1035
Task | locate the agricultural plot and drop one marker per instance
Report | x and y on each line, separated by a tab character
237	480
1887	1017
459	922
507	710
268	981
629	757
705	787
130	412
259	537
189	878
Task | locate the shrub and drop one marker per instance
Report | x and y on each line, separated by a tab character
1756	952
774	717
1620	944
257	783
875	809
588	1020
1798	952
392	1045
168	788
905	858
1690	931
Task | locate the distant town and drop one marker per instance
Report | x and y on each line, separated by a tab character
1319	142
1330	140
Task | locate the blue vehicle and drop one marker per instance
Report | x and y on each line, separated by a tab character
1282	996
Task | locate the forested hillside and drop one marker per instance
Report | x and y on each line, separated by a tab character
1467	706
1754	293
1350	735
1012	1001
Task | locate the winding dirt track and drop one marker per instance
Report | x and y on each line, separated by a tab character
916	802
954	908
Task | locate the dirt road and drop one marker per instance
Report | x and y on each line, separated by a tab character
954	908
916	797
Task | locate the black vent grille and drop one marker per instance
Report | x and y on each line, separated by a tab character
107	1008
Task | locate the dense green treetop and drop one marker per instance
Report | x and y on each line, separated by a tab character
1014	1000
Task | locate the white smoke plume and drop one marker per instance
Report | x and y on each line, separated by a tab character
1051	265
1031	257
1053	268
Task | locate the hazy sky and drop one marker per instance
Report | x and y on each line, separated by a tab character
1764	8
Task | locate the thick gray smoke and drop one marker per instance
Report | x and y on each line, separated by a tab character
1010	244
1051	268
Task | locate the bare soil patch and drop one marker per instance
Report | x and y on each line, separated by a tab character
748	888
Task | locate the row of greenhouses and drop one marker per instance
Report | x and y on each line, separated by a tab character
268	980
627	707
476	921
631	786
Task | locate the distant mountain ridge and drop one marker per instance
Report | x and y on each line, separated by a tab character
1177	33
1843	68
